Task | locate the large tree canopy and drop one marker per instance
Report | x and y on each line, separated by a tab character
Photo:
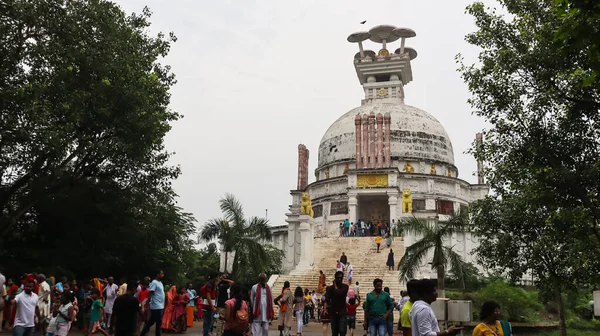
537	84
84	179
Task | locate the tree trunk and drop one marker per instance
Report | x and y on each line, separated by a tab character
225	266
561	311
441	287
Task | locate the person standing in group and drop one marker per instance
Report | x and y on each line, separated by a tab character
390	318
350	270
110	295
299	309
262	307
351	307
339	267
378	306
490	321
378	240
422	317
346	227
390	260
322	282
43	301
344	259
323	314
189	310
143	297
335	305
126	312
308	307
156	293
285	301
26	309
222	296
208	292
96	313
403	300
62	316
123	288
236	313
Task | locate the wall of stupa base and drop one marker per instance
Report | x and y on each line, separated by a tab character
432	168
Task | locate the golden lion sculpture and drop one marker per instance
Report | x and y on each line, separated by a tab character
306	208
406	201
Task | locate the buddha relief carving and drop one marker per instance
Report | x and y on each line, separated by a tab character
408	168
433	170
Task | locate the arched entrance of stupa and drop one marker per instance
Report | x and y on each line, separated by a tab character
373	208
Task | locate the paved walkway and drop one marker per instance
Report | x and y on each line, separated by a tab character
313	329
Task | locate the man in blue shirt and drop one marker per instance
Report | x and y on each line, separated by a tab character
157	304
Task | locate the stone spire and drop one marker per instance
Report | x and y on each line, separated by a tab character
302	167
384	74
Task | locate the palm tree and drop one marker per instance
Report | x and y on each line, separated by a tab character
237	234
433	238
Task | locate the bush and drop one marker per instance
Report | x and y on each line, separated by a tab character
517	304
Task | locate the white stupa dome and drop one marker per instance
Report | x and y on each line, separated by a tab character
415	135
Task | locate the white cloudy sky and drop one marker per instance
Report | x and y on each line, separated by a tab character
256	78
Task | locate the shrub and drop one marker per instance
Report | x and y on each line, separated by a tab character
517	304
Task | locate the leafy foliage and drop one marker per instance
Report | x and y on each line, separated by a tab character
201	263
517	304
85	185
536	83
432	241
244	237
473	279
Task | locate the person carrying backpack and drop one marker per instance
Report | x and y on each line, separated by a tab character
236	313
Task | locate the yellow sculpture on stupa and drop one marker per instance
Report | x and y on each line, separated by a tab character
306	208
408	168
406	201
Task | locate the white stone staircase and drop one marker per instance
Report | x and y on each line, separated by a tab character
366	262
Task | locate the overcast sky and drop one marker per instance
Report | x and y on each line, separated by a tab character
256	78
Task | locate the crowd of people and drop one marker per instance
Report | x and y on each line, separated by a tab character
366	228
101	306
226	308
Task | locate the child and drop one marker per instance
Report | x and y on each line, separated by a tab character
351	306
97	309
62	316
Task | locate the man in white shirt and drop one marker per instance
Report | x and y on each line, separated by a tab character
26	310
44	298
423	320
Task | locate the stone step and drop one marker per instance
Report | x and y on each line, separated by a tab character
366	262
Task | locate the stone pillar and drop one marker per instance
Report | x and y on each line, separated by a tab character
393	203
379	140
372	140
358	130
306	230
387	120
352	209
365	136
302	167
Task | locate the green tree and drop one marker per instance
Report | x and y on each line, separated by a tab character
433	241
536	83
85	185
201	263
517	304
244	237
82	97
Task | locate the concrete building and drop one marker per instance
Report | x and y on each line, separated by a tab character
381	161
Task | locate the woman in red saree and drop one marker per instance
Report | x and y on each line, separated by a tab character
178	322
169	305
10	310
